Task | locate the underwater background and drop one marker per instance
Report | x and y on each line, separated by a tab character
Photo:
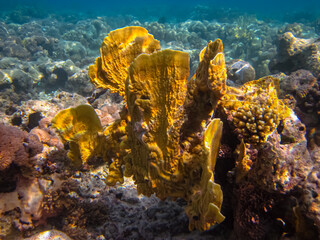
69	164
173	10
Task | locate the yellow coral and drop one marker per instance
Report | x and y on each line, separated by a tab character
211	74
243	163
118	50
205	89
157	140
115	136
156	90
79	127
206	201
255	108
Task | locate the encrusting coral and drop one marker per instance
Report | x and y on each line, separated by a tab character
166	137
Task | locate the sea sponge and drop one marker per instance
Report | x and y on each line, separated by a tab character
118	50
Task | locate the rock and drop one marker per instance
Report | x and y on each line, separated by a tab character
240	71
80	83
56	74
197	27
296	53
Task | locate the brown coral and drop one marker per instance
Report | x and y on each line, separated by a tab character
11	139
17	147
46	138
298	83
283	161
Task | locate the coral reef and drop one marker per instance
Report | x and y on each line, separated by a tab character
53	54
162	142
155	132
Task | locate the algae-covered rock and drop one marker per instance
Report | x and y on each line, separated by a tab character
296	53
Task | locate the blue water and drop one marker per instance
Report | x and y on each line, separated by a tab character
172	9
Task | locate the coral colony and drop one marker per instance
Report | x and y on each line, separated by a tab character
167	138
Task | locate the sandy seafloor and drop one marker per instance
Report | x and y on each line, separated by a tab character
44	60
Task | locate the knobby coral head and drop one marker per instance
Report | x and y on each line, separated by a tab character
255	109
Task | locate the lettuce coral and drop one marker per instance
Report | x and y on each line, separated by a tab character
155	92
79	127
204	91
118	50
148	139
166	138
